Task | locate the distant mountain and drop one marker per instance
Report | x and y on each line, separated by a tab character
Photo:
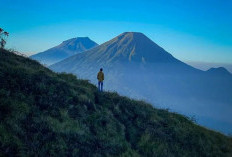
48	114
65	49
219	71
207	65
137	67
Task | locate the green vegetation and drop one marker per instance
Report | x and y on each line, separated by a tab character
43	113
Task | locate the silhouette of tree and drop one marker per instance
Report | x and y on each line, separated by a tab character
3	36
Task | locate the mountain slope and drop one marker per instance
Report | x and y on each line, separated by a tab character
65	49
48	114
137	67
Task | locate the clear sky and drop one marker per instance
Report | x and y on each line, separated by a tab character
191	30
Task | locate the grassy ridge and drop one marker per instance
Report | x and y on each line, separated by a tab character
48	114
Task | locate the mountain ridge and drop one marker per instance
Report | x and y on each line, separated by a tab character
219	71
128	47
64	50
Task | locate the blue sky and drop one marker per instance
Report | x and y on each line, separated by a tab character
191	30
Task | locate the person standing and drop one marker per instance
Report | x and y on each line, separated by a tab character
100	77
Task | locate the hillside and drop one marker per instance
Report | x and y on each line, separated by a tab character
48	114
64	50
137	67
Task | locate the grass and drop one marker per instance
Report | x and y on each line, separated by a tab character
55	114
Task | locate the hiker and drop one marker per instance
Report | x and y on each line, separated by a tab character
100	77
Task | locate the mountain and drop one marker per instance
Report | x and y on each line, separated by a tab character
65	49
219	71
138	68
49	114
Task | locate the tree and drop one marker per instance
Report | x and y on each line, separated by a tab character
3	36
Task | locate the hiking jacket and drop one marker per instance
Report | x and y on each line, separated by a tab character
100	76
